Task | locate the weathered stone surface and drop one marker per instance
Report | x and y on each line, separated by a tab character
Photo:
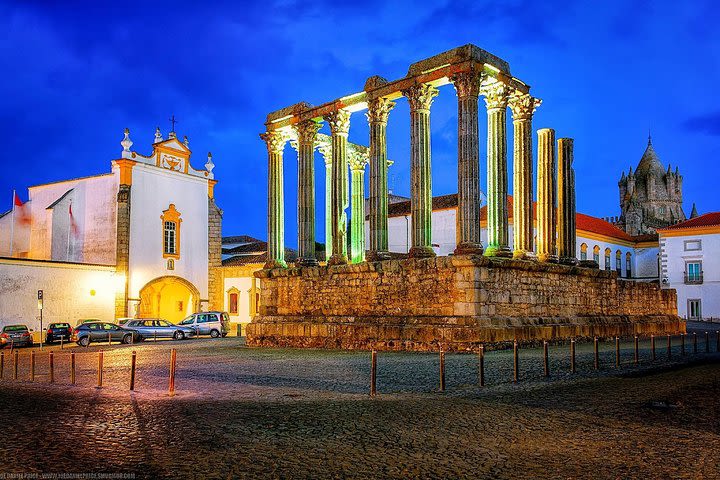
454	302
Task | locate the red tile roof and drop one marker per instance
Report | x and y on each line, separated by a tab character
706	220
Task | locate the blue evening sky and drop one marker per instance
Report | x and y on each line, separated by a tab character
75	74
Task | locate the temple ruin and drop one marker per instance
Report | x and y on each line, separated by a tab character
364	299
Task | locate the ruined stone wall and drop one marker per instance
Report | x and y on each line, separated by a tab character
455	301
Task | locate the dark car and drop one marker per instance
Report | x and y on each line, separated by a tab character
87	333
57	332
16	336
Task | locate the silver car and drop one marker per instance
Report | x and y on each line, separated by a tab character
158	328
215	324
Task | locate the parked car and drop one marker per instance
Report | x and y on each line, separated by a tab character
58	331
123	321
214	324
87	320
159	328
16	336
87	333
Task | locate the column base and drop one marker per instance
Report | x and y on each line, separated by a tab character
306	262
524	255
547	258
568	261
589	264
377	256
339	259
501	251
275	264
421	252
468	248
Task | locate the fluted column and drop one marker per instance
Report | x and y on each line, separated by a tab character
275	142
339	122
357	228
496	98
566	203
325	150
306	132
523	106
467	222
420	98
377	115
546	188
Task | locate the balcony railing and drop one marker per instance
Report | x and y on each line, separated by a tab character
693	278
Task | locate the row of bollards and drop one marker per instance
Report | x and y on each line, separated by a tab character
546	360
100	368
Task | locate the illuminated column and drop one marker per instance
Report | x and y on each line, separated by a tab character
325	150
357	228
306	133
275	142
546	188
467	223
377	115
339	122
523	106
420	98
566	203
496	99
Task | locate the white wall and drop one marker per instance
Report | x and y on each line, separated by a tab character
244	286
153	190
674	257
70	292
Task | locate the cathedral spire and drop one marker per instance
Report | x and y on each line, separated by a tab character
694	212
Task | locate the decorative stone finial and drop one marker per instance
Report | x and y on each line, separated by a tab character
694	212
126	144
158	135
209	165
186	142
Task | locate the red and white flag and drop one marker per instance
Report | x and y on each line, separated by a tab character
20	210
73	224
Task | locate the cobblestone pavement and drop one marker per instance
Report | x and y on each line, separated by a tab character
277	413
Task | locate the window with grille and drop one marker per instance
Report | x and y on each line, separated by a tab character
170	238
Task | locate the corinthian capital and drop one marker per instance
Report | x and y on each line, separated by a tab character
467	84
496	95
357	160
275	140
339	122
307	131
523	105
379	110
420	96
325	149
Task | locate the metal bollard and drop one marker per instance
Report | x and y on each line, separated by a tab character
707	342
62	342
516	362
572	356
171	387
546	362
51	360
100	370
2	365
669	346
652	347
682	344
717	341
373	373
481	366
72	368
32	366
694	342
442	371
597	353
617	352
132	371
637	350
155	336
15	366
109	339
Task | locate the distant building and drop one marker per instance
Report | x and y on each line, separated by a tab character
690	263
650	197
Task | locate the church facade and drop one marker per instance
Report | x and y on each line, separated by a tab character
150	227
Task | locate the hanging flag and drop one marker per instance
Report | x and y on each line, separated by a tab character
20	210
73	225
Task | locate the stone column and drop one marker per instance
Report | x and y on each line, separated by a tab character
420	98
467	222
306	133
546	188
325	150
357	228
275	141
523	106
377	115
496	99
339	122
566	203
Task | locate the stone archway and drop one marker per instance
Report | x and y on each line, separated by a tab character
169	297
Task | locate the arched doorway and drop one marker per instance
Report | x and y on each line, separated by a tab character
172	298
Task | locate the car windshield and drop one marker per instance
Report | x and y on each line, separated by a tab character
187	321
15	328
60	325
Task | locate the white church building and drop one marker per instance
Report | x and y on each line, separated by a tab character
142	240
